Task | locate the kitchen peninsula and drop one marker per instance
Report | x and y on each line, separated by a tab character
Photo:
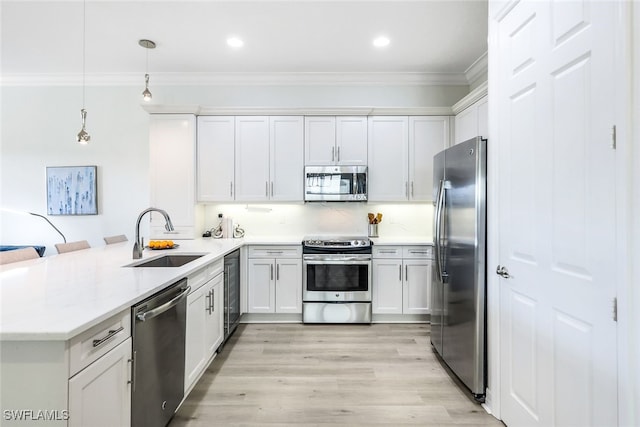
57	311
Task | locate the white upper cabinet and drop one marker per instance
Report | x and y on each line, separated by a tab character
428	135
351	141
335	140
401	151
388	154
252	158
472	121
215	158
172	145
286	158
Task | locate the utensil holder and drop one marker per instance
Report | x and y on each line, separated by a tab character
373	230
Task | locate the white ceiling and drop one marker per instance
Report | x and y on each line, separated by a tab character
43	39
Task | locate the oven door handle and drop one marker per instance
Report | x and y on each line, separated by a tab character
335	262
332	259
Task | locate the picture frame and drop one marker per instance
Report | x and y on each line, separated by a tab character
72	190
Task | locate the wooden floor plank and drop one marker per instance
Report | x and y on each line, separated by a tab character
319	375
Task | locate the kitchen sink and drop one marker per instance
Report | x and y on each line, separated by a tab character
177	260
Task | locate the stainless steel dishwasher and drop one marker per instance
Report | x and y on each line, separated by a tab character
158	356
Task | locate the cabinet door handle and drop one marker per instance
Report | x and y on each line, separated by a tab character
271	271
213	301
333	151
130	380
406	272
266	188
338	153
271	188
400	273
406	189
231	189
133	370
411	188
277	271
111	333
208	298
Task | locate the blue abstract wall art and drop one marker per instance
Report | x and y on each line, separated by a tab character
72	190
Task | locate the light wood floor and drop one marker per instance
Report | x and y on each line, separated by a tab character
349	375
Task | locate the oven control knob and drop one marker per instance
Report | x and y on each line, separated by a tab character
356	243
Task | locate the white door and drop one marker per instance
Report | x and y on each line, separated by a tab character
261	285
213	333
428	135
286	158
416	295
388	175
319	141
195	345
215	158
386	288
556	197
100	395
351	141
288	285
252	158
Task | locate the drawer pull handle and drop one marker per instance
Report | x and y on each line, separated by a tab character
111	333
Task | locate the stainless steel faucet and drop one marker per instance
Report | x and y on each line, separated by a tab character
138	246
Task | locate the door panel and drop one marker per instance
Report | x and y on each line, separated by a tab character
556	175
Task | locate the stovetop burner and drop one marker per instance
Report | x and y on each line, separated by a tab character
338	242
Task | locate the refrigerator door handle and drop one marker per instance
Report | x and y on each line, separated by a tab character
440	204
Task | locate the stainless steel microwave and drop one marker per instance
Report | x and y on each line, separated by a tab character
335	183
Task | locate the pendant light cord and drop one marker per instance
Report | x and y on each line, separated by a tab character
84	47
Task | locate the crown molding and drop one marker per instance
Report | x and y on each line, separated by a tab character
473	96
212	79
478	69
200	110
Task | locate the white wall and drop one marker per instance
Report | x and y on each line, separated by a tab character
39	125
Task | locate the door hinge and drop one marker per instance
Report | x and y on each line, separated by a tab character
613	137
615	309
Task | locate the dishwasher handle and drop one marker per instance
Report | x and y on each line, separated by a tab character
146	315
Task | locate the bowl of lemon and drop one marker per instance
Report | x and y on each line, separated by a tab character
161	244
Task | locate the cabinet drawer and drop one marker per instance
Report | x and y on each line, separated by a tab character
387	251
215	268
292	251
92	344
197	279
423	251
202	276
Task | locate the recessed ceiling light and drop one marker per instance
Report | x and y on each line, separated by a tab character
235	42
381	41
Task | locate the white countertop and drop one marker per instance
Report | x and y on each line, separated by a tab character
59	296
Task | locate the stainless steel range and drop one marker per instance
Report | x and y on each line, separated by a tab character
336	280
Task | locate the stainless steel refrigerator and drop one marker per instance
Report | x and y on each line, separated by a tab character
458	315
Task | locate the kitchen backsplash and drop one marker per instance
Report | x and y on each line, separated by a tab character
330	218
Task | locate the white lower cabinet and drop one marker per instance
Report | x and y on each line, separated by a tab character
274	276
100	394
401	280
204	332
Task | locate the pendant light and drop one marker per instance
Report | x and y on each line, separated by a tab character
83	136
147	44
